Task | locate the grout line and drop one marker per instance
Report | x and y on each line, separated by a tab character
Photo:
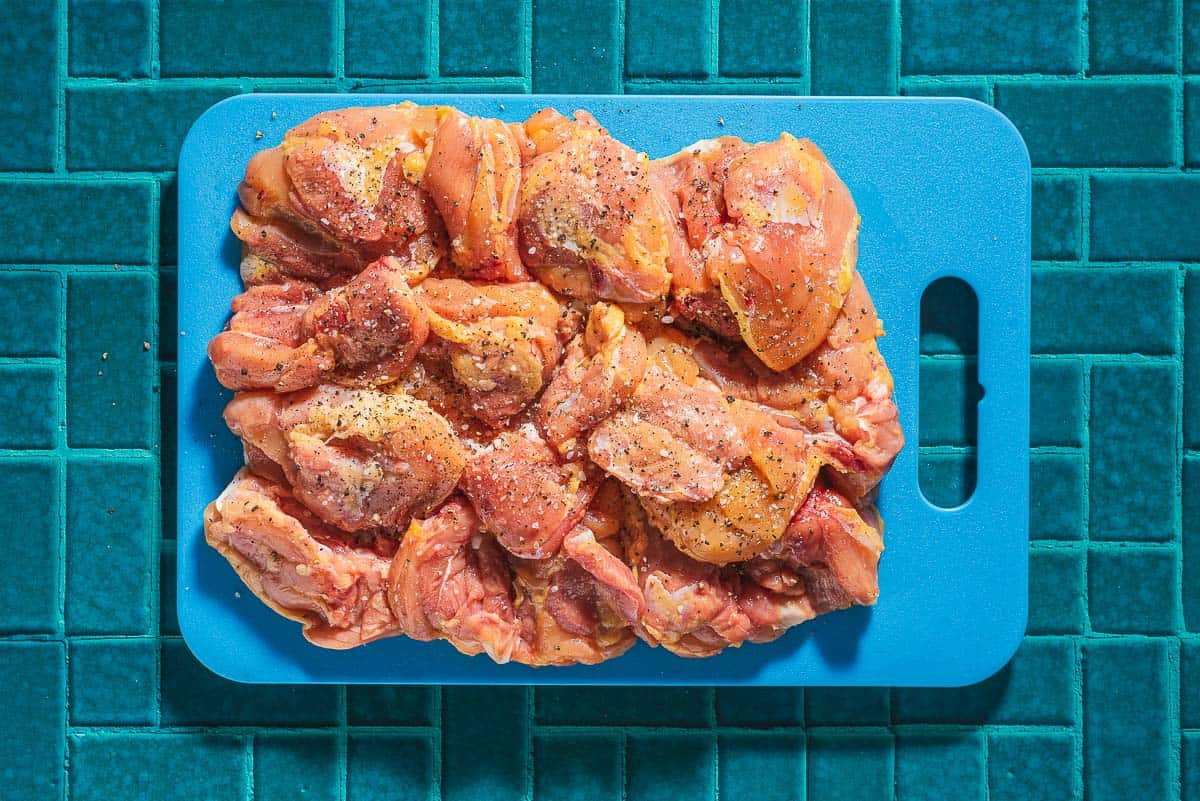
339	43
712	57
435	39
343	744
60	91
155	40
438	750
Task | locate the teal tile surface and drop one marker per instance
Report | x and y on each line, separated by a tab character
109	38
34	677
114	682
1129	36
1103	699
1092	123
29	578
949	394
295	767
109	529
964	36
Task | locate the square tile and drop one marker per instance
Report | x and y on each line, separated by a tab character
288	766
577	47
949	392
29	597
853	47
669	766
1128	310
760	706
109	529
1133	590
949	318
31	758
77	221
1130	36
485	732
29	406
578	767
848	706
1190	548
1096	123
209	766
197	37
624	706
948	479
1189	684
849	766
28	98
1057	491
389	767
1132	499
1189	768
109	38
482	37
760	765
192	695
1125	226
749	49
31	306
390	705
1056	402
967	37
1191	123
1057	593
1031	766
114	682
406	54
1125	700
667	39
974	88
937	766
1057	217
110	374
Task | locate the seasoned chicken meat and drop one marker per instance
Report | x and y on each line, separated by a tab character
516	386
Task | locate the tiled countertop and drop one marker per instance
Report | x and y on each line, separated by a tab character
102	700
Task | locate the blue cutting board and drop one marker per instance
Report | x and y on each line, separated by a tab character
943	187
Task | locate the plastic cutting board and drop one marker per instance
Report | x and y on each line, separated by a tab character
943	188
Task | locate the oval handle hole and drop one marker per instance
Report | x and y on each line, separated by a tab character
949	392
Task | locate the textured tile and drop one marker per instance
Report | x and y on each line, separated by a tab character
109	527
852	46
1189	684
1132	590
1191	35
949	318
1190	766
290	767
577	46
974	88
201	38
396	705
666	39
86	221
154	120
109	402
1127	36
481	37
1125	701
578	767
139	766
406	53
484	733
109	38
29	573
1191	542
389	767
1057	217
845	766
1056	401
192	695
1191	358
947	479
760	706
1132	500
28	406
1036	687
31	757
1127	311
1092	123
1056	496
1126	226
30	88
31	307
934	766
1031	766
847	706
747	48
114	682
619	706
1057	593
670	766
762	766
949	392
1191	123
965	37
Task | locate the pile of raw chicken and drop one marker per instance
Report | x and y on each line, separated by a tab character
521	388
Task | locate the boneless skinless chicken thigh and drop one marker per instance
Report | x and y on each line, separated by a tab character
521	388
